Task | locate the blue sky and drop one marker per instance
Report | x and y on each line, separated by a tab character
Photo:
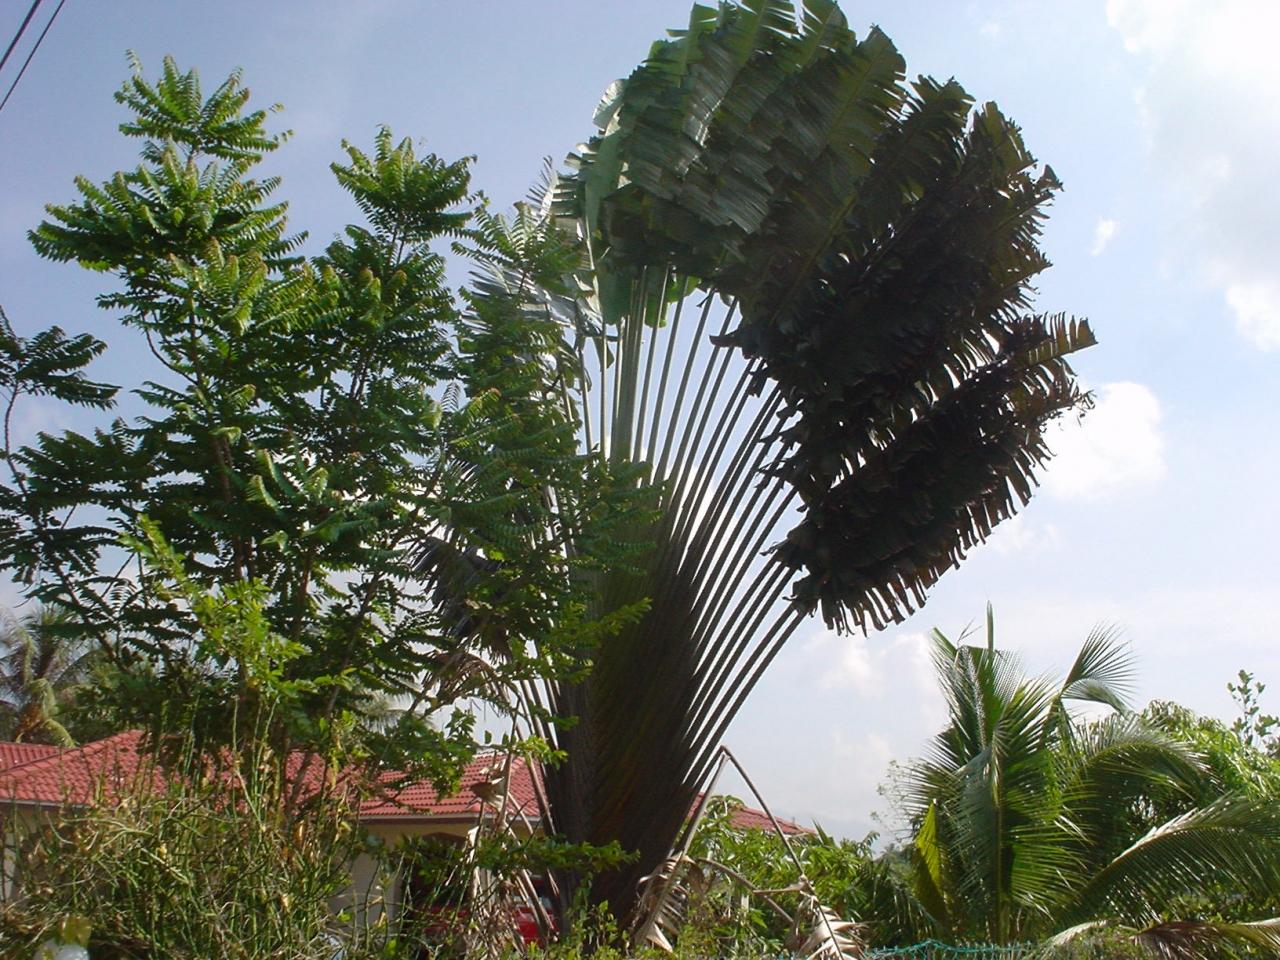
1161	514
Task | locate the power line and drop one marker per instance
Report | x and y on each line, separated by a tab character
27	62
21	30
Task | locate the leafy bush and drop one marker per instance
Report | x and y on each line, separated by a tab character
749	882
209	865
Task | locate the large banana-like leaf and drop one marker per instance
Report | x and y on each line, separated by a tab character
850	401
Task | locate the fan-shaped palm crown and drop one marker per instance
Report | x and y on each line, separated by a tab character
859	370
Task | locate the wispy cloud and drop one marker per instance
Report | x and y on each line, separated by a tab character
1212	121
1256	304
867	666
1102	234
1020	535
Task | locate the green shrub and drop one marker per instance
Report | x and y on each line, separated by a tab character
213	864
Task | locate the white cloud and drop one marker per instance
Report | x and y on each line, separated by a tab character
992	29
1257	308
1019	535
1116	448
1147	25
1102	234
868	665
1166	626
35	415
852	666
1212	121
827	759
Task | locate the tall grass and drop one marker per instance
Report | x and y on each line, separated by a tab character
192	859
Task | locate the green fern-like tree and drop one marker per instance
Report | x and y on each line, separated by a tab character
308	427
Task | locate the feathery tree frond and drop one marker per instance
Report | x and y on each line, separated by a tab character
406	199
174	108
49	364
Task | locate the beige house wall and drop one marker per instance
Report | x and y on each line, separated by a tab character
15	822
377	886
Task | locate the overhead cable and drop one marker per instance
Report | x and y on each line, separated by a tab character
21	30
26	63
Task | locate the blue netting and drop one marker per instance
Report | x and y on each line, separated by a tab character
937	950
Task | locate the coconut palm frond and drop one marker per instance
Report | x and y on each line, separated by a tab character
1205	940
1171	939
1120	756
1235	837
43	663
666	901
667	896
818	933
1103	671
1012	800
1017	806
458	674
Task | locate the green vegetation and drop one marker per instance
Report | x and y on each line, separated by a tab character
1129	834
199	868
43	666
1030	823
747	897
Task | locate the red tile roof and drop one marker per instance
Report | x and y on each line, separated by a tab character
482	777
102	770
16	754
746	818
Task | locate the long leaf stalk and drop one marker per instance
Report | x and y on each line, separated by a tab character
717	532
661	472
691	439
714	470
772	508
654	324
754	603
672	333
